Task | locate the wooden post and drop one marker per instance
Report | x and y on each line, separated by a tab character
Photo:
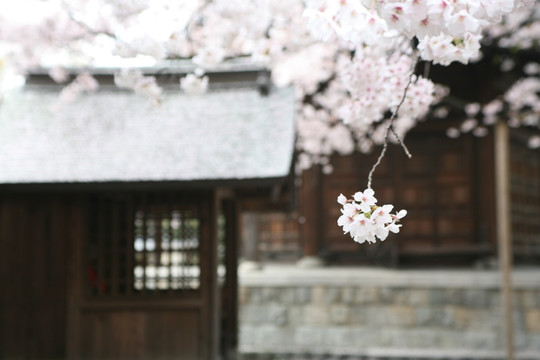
504	235
311	217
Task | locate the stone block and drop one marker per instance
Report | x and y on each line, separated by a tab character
295	315
318	295
316	315
485	319
270	337
389	337
400	315
476	298
437	297
277	315
357	315
394	315
463	317
375	316
246	335
530	299
519	320
446	316
495	301
333	295
253	314
338	337
348	295
410	338
339	314
366	337
309	337
418	297
532	321
367	295
451	339
255	295
414	297
286	296
481	340
424	316
269	294
302	295
387	295
520	340
533	341
437	316
452	297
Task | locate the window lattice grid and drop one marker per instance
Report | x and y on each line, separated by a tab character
135	248
166	250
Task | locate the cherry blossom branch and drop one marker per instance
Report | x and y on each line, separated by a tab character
84	25
390	127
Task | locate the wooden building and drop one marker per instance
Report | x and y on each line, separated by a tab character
448	188
118	220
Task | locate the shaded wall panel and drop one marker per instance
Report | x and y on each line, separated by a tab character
136	334
33	276
446	188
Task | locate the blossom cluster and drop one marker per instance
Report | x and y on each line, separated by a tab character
194	84
83	83
135	80
447	31
331	85
376	85
364	220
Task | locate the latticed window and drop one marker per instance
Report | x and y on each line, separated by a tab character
166	250
142	245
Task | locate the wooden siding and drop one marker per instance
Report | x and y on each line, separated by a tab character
33	282
525	197
48	309
140	334
446	187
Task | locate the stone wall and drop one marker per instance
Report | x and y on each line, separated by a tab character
286	310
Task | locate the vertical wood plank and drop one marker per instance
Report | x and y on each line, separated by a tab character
129	247
115	239
75	266
229	306
209	334
6	249
311	212
215	299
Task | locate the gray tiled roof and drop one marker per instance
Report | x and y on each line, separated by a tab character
113	135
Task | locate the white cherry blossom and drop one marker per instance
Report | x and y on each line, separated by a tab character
366	222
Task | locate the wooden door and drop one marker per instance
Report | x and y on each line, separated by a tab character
146	281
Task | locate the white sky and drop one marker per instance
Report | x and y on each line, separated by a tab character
25	11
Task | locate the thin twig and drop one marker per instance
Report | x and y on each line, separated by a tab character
391	127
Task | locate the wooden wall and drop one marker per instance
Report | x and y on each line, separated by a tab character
525	197
447	188
47	310
34	248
